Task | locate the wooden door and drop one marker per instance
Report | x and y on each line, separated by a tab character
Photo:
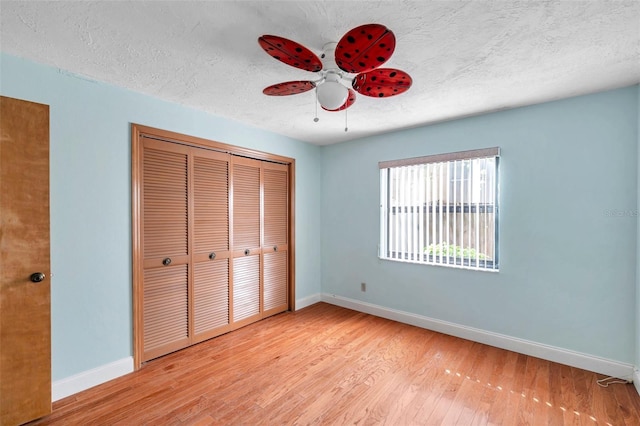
25	320
247	240
165	243
276	237
185	239
210	253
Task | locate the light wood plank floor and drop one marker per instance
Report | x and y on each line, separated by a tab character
332	366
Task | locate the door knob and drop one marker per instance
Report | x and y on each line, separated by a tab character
166	261
37	277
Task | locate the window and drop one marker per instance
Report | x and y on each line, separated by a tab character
441	209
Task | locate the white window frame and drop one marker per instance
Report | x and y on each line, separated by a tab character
431	220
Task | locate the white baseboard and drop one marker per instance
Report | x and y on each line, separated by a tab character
551	353
307	301
90	378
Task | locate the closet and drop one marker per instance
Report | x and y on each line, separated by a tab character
212	229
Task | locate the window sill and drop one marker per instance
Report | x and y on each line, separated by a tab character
456	265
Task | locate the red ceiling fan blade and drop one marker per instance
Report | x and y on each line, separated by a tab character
382	83
290	52
350	101
365	48
289	88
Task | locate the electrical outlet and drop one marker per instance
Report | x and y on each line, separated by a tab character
363	286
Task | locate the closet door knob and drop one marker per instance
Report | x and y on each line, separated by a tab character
37	277
166	261
246	252
212	255
275	248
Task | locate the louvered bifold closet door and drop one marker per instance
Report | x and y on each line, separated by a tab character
211	298
165	247
246	240
276	236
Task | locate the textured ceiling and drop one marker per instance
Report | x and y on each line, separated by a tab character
465	57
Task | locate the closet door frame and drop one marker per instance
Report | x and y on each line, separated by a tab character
138	132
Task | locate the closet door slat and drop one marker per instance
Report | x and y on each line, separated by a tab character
211	295
246	206
275	282
276	212
246	287
165	203
165	310
211	205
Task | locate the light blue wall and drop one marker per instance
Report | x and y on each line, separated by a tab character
637	363
568	270
91	203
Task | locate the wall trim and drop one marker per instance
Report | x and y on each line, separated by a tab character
551	353
636	380
307	301
90	378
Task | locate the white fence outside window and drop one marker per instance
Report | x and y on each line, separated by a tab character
441	209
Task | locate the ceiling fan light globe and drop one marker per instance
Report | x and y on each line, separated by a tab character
332	95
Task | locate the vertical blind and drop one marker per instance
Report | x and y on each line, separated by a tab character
441	209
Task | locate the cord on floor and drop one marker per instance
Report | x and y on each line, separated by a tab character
611	380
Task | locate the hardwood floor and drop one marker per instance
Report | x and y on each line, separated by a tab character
328	365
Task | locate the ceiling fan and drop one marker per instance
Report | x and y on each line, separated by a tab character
360	51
